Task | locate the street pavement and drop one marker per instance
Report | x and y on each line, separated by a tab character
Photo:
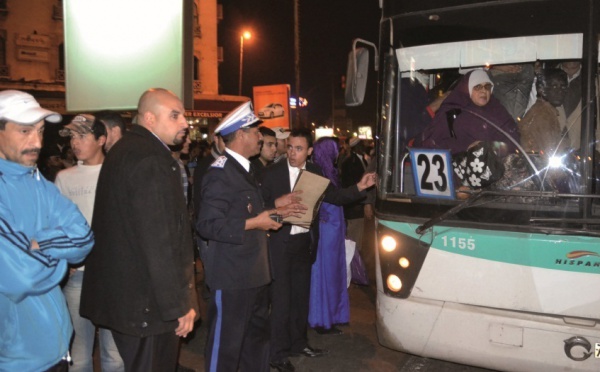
357	349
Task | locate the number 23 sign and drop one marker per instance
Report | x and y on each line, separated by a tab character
432	172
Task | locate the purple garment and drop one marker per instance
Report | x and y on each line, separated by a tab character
329	302
467	127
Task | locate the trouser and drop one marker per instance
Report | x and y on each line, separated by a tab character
355	231
290	293
82	346
62	366
156	353
238	330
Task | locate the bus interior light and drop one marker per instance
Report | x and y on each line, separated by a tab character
388	243
394	283
555	161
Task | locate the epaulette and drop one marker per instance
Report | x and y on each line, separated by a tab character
220	162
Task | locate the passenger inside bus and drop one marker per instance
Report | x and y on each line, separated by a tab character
466	116
512	86
544	128
572	101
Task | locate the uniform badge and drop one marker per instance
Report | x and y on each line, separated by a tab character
250	208
220	162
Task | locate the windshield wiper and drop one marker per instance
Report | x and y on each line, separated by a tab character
478	194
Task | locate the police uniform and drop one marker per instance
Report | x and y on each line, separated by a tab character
237	262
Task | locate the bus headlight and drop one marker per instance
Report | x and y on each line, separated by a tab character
400	259
388	243
404	262
394	283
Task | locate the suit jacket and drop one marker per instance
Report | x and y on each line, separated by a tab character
353	169
139	277
276	182
236	258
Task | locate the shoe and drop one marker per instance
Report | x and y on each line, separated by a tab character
283	366
329	331
312	352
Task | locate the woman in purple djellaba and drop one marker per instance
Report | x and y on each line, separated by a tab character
465	115
329	302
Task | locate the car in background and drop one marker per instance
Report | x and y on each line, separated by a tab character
271	111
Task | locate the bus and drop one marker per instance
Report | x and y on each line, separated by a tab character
503	274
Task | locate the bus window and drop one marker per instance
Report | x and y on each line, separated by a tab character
529	125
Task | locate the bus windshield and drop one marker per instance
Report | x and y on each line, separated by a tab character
508	119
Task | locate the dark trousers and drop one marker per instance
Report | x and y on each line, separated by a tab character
290	292
62	366
156	353
238	330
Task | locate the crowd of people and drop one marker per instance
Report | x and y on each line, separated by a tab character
100	238
102	248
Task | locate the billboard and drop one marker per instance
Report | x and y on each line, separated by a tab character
365	132
272	105
145	44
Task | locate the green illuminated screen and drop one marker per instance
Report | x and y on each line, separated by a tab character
117	49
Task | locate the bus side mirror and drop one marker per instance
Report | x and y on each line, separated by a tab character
356	76
357	72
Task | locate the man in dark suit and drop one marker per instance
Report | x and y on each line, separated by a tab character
234	221
352	170
139	278
292	251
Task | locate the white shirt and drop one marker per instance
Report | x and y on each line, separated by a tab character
294	173
78	184
240	159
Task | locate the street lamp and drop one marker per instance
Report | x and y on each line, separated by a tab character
244	35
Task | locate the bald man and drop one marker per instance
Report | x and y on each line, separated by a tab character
139	278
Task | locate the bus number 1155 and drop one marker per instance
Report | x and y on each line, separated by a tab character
460	243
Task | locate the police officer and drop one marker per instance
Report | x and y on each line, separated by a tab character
233	220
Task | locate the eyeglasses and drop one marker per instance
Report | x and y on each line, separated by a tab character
480	87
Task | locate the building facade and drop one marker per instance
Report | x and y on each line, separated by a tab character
32	58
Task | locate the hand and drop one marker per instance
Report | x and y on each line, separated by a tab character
434	106
186	324
292	209
367	180
263	221
290	198
34	244
369	211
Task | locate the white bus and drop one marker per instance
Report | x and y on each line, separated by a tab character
504	276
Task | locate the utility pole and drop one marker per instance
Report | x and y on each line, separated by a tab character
297	58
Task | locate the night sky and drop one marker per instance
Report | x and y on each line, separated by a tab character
327	28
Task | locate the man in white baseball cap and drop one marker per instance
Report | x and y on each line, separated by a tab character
41	232
20	111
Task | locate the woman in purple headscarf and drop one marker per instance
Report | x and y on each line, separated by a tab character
458	123
329	302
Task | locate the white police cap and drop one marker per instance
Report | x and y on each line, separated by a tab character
241	117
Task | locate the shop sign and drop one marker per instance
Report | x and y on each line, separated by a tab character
33	40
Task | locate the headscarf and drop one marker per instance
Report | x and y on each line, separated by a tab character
466	127
325	152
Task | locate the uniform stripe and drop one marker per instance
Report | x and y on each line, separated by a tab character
217	338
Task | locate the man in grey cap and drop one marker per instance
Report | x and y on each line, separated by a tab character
234	221
41	232
78	183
